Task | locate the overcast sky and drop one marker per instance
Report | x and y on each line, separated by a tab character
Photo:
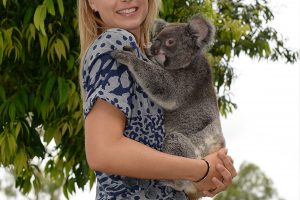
265	128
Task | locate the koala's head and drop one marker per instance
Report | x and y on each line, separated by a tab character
175	45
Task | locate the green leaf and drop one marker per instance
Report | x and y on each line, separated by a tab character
20	107
8	40
50	6
64	128
7	146
12	111
39	18
59	48
4	3
30	34
11	144
66	41
17	129
44	109
17	48
36	184
71	63
79	126
168	6
61	7
3	155
31	30
57	137
65	190
71	185
63	90
43	42
49	134
28	15
20	161
49	87
26	186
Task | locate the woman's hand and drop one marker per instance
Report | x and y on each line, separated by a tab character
220	175
206	184
227	172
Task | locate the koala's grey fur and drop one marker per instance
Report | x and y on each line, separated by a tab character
179	79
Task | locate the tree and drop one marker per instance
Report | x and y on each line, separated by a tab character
39	94
40	108
250	184
48	190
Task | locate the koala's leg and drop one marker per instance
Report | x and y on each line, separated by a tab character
156	81
179	145
208	140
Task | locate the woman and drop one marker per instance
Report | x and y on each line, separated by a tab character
123	128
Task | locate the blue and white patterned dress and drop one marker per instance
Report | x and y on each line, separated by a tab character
106	79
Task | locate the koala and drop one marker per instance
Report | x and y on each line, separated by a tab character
178	78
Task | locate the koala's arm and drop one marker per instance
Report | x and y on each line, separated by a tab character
156	81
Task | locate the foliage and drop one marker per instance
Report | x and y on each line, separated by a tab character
48	189
40	107
39	94
250	184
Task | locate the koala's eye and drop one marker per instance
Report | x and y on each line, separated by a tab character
170	42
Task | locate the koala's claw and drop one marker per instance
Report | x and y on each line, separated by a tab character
119	54
128	48
114	54
123	57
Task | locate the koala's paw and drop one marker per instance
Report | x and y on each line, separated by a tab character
121	56
116	54
128	48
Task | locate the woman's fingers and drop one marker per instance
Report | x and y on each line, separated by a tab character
226	174
220	185
230	158
228	163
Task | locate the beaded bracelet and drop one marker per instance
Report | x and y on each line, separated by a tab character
207	171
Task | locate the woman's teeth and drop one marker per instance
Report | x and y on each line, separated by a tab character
127	11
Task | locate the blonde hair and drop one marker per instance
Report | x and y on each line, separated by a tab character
91	25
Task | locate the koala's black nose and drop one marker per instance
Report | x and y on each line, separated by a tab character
155	47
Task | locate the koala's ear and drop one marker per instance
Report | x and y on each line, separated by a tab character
202	29
159	25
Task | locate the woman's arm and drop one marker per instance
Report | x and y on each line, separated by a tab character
109	151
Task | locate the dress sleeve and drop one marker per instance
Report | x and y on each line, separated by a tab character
103	77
